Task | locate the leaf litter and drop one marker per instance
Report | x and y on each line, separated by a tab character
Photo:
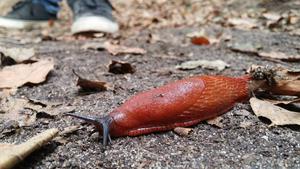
277	115
91	85
118	49
258	49
182	131
25	111
118	67
17	54
113	49
214	65
17	75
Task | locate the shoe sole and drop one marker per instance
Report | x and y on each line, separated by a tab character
20	24
94	24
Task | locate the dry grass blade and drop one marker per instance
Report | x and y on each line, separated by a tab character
13	154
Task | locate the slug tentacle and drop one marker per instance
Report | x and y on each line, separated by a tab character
103	123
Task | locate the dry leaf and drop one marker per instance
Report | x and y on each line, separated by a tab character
243	23
18	75
24	111
13	109
215	65
48	108
200	40
89	85
18	54
13	154
93	45
277	115
117	49
280	55
272	16
245	47
117	67
4	93
297	100
182	131
217	121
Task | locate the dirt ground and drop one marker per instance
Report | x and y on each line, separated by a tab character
235	145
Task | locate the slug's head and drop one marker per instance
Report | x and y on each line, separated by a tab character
265	73
102	124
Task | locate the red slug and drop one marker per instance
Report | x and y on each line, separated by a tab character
179	104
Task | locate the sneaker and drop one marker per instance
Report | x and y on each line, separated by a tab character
92	16
25	14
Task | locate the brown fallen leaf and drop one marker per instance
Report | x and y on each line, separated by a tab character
13	109
90	85
215	65
25	111
277	115
17	54
118	49
18	75
200	40
182	131
118	67
12	154
217	121
280	56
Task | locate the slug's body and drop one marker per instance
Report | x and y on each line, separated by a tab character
179	104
